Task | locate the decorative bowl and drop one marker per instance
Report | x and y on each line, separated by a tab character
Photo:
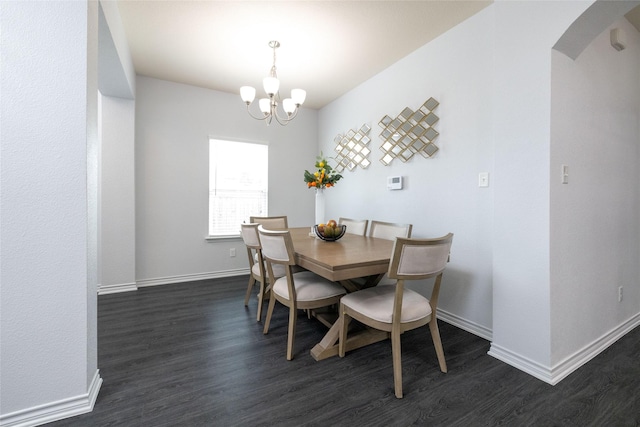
339	232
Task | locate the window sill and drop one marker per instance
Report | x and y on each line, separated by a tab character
219	238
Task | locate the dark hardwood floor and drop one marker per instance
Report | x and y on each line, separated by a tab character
192	355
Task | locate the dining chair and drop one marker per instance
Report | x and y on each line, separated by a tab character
389	230
271	222
257	268
396	309
303	290
355	226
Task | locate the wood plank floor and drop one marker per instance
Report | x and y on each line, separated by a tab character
192	355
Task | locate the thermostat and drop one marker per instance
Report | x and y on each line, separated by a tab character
394	183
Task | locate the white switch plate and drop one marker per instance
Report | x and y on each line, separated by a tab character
483	179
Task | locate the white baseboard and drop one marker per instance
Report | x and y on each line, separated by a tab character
525	364
553	375
128	287
474	328
191	277
114	289
55	411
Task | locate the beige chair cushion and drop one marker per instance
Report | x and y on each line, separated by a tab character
377	303
275	247
420	260
309	287
354	226
271	223
278	270
250	235
388	231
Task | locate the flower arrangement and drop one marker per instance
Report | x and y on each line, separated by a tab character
323	177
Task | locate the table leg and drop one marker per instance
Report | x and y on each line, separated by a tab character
328	347
363	283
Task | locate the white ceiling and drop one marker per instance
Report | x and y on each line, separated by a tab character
327	47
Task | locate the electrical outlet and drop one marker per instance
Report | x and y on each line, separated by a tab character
232	252
620	295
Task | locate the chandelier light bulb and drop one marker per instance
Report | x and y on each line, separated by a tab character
271	85
298	96
265	106
288	106
248	94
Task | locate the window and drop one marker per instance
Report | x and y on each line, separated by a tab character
238	184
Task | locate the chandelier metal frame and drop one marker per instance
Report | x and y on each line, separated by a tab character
269	106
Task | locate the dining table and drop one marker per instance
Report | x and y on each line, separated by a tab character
354	261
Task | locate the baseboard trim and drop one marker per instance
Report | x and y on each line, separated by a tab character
55	411
472	327
191	277
570	364
518	361
114	289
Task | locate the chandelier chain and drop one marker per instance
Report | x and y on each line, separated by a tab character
273	67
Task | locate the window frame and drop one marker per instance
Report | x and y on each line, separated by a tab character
232	236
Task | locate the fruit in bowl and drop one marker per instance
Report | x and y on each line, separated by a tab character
331	231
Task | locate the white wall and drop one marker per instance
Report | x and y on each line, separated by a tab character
595	218
48	180
495	94
117	198
116	232
173	124
441	194
521	287
93	380
117	74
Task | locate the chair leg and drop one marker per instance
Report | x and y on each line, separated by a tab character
272	303
435	336
344	320
260	302
249	289
397	362
293	315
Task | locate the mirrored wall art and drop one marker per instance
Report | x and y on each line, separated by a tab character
352	149
410	133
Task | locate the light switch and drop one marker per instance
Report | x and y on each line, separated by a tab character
483	179
565	174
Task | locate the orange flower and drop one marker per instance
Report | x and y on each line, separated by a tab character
324	175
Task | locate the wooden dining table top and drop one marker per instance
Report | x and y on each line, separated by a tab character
350	257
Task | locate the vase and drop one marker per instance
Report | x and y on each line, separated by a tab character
319	205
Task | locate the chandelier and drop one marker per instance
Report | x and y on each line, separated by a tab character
269	105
